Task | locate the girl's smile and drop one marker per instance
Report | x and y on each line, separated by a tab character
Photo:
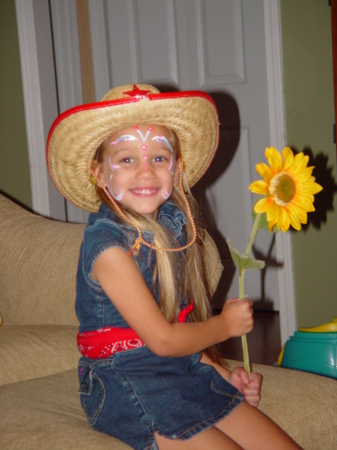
144	192
139	167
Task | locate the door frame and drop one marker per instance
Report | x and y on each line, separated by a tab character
333	6
38	109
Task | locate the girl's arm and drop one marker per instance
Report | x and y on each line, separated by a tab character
122	282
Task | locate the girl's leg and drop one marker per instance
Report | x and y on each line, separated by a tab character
253	430
210	439
249	427
245	428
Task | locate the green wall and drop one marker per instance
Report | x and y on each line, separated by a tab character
14	166
308	87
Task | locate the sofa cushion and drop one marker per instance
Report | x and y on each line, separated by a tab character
46	412
38	263
36	351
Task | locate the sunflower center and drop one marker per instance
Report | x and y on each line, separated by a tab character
283	188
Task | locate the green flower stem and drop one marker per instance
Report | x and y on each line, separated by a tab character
253	233
242	293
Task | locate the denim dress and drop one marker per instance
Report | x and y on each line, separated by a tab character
133	394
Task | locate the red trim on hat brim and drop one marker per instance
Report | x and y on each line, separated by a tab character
125	100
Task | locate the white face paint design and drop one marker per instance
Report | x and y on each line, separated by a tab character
117	197
167	143
112	165
125	137
121	192
166	194
170	169
143	138
164	140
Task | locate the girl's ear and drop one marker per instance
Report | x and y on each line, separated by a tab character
98	174
176	172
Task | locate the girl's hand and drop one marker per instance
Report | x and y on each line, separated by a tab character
238	316
251	389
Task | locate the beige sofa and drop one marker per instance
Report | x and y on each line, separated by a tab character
39	404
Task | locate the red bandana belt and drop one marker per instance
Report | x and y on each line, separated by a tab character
109	340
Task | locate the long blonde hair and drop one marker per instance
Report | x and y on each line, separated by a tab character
193	283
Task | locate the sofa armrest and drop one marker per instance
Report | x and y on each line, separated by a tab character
38	262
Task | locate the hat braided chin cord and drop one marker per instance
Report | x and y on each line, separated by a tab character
140	240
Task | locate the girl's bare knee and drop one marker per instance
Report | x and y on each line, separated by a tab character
253	430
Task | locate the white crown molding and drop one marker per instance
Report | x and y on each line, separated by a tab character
273	38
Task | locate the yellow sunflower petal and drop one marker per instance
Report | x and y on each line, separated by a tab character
263	170
259	187
303	195
271	224
298	201
274	158
282	218
310	188
304	203
300	213
262	206
304	174
273	212
303	216
286	224
294	220
288	157
314	188
301	161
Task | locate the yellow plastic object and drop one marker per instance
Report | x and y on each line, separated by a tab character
330	327
279	359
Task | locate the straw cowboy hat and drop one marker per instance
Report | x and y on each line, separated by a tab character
77	133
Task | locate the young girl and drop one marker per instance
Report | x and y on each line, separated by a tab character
150	374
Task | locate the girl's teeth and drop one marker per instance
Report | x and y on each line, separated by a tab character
143	191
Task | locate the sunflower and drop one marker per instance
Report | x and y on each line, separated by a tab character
288	189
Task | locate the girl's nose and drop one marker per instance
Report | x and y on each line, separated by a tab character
145	170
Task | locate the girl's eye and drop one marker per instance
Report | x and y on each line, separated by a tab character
159	159
127	160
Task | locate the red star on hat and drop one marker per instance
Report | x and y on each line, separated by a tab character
136	92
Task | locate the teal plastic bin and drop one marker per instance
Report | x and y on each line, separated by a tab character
312	351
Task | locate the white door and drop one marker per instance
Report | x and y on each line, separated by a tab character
218	46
